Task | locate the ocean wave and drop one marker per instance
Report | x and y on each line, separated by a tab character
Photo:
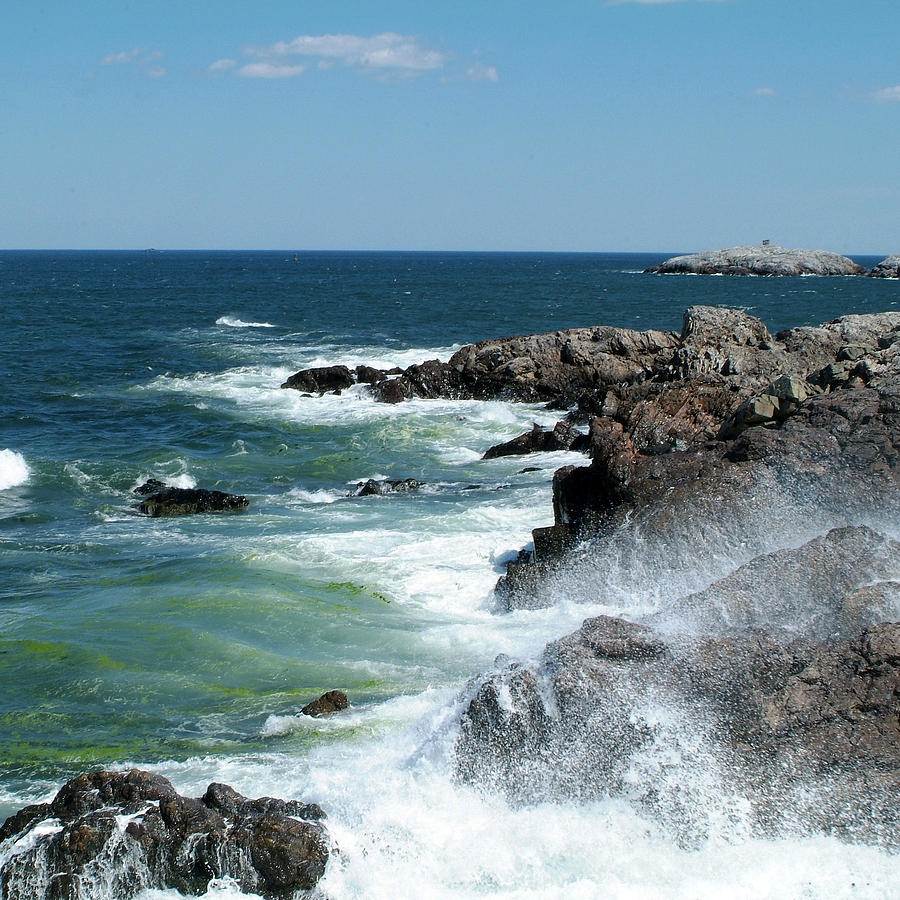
13	469
233	322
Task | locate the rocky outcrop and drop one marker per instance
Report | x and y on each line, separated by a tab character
889	267
562	436
555	367
828	399
745	734
130	831
161	499
762	259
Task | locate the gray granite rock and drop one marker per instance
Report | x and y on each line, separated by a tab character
761	259
889	267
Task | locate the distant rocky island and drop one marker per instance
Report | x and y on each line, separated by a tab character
771	259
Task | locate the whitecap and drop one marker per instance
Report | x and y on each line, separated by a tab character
233	322
13	469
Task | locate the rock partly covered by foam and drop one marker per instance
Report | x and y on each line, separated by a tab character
131	831
762	259
161	499
889	267
750	733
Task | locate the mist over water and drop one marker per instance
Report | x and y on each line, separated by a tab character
189	645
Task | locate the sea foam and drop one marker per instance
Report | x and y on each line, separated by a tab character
233	322
13	469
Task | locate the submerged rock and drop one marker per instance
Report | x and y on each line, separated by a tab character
130	831
163	500
762	259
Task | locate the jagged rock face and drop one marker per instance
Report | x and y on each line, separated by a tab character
693	729
889	267
763	259
553	367
131	831
162	500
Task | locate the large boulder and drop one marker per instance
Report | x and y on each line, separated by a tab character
746	734
761	259
130	831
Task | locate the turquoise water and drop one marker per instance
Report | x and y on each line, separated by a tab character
190	644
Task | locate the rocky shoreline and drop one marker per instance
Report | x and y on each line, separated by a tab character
763	468
722	442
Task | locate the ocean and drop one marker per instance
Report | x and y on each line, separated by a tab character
188	645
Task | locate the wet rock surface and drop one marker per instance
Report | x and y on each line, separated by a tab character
161	499
330	702
798	732
129	831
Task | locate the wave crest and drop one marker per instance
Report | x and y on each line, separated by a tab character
13	469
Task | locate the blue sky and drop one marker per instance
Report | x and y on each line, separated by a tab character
592	125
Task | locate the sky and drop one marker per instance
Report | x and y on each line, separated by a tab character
582	125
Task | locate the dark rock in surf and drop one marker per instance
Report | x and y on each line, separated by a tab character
762	259
163	500
889	267
321	380
133	831
369	375
330	702
561	437
793	731
376	488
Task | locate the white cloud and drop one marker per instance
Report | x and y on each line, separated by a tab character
388	52
887	94
765	92
139	56
222	65
270	70
481	72
126	56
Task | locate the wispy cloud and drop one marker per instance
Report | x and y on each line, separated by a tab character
270	70
765	92
140	57
377	53
221	65
481	72
887	94
388	56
